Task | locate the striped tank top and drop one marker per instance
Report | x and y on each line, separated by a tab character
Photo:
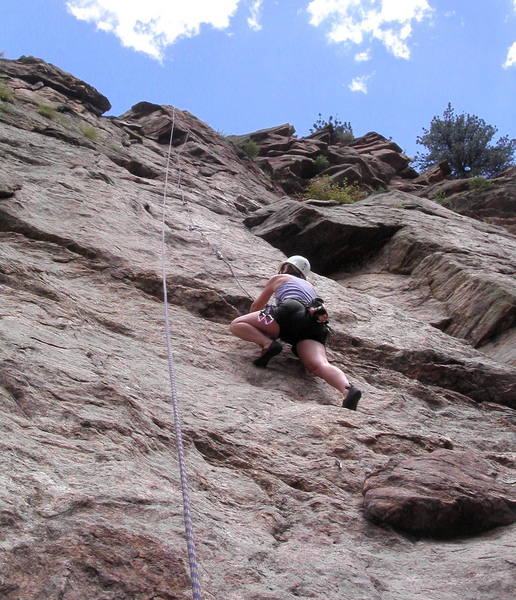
296	288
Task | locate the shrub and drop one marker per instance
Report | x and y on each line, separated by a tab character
321	163
322	188
479	183
47	111
89	132
344	137
6	93
340	131
440	198
250	147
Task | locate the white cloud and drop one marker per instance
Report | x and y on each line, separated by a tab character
511	53
363	56
510	61
355	21
359	84
254	20
150	26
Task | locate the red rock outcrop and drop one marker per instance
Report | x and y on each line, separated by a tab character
90	497
39	74
371	160
489	200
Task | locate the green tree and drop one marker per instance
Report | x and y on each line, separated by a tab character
464	141
340	131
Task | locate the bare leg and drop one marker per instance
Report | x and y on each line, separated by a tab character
250	328
313	357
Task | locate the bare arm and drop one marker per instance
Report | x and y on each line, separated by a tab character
274	282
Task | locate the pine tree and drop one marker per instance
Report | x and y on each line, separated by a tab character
463	140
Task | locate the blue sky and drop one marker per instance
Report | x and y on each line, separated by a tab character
241	65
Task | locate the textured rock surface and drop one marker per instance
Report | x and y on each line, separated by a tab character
442	494
492	200
90	501
39	74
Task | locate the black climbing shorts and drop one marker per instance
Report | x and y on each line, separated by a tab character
296	324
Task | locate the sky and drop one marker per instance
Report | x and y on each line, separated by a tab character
241	65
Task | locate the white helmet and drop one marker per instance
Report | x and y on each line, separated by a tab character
300	262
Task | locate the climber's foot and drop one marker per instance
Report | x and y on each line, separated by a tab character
352	397
267	354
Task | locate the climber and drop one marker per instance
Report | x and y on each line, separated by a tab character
298	318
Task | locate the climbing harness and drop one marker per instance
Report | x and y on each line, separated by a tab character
266	314
187	517
314	309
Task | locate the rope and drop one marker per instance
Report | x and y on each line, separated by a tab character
215	251
199	230
187	517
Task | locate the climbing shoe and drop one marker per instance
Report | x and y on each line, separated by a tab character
352	397
272	350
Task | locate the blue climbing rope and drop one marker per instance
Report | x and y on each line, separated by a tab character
187	517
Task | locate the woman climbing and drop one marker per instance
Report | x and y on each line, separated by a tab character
299	318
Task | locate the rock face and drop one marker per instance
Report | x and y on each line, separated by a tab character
90	498
453	273
489	200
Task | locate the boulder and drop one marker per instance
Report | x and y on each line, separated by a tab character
443	494
278	146
279	131
396	160
374	142
311	149
290	171
348	174
373	171
435	174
